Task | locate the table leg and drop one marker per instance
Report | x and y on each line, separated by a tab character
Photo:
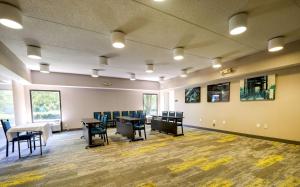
41	143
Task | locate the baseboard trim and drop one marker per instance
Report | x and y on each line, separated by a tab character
247	135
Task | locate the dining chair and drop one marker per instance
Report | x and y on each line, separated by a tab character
132	113
139	112
109	118
124	113
164	115
115	115
179	116
19	138
96	115
141	125
171	114
101	129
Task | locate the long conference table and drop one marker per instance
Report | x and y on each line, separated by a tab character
125	127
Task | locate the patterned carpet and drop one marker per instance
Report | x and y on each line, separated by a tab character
200	158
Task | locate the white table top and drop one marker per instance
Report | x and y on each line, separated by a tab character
30	127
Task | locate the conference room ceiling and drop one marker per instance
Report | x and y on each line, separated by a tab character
73	33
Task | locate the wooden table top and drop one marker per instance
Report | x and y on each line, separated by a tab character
127	118
90	121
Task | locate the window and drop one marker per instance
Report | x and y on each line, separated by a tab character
45	105
6	105
150	104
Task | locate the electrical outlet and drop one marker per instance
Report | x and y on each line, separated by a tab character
258	125
266	126
223	122
214	122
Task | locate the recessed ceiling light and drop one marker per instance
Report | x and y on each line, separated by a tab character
132	77
118	39
178	53
149	68
10	16
95	73
238	23
183	73
44	68
216	63
103	61
158	0
34	52
276	44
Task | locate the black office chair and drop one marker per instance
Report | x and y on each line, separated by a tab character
141	125
171	114
20	138
115	115
132	114
101	129
179	116
124	113
165	115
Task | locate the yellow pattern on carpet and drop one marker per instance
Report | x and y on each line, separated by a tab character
216	163
269	160
145	149
290	182
228	138
22	178
219	182
176	168
258	182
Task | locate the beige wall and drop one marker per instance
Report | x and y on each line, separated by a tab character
281	116
78	103
19	103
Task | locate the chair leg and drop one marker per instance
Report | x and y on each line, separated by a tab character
33	142
27	143
13	146
19	149
181	128
30	146
145	133
41	144
7	146
106	138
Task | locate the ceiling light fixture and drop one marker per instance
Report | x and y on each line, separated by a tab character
149	68
34	52
103	60
216	63
95	73
44	68
118	39
183	73
162	79
276	44
178	53
10	16
132	77
238	23
159	0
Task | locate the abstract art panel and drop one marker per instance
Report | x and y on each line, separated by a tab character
192	95
218	92
258	88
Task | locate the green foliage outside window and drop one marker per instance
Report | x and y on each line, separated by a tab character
45	105
150	104
6	105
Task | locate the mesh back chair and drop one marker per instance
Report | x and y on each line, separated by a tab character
115	115
165	115
97	115
124	113
27	137
171	114
101	129
180	120
141	125
132	113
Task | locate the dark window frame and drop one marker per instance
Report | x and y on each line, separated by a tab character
45	91
156	101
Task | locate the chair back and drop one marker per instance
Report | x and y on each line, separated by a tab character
104	121
116	114
5	125
172	114
165	113
108	115
139	112
132	113
180	115
97	115
143	119
124	113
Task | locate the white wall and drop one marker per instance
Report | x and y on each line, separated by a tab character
78	103
19	103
